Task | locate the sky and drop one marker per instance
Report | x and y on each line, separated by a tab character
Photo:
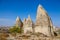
10	9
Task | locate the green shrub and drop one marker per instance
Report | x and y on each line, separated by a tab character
15	29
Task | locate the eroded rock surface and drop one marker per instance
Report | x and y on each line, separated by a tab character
43	22
27	25
18	22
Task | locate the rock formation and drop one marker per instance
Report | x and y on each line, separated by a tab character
27	25
18	22
43	22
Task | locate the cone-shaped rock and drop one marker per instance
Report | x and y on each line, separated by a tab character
27	25
43	22
42	17
18	22
24	21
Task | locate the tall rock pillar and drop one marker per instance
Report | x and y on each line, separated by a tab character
18	22
43	24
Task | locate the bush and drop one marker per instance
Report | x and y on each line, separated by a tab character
15	29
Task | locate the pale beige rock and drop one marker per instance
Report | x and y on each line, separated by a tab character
18	22
51	26
43	23
41	18
27	25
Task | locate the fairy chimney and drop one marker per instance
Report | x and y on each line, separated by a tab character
18	22
43	24
27	25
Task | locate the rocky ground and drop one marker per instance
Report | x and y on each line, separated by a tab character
17	36
5	36
32	37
